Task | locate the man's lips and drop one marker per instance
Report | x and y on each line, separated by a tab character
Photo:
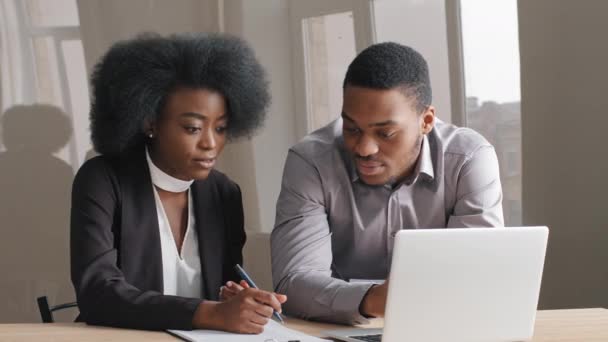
369	167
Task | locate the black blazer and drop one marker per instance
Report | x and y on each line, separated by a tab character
115	252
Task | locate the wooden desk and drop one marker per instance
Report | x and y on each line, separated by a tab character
581	325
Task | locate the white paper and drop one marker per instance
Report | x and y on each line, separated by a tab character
272	330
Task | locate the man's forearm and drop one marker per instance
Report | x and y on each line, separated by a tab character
314	295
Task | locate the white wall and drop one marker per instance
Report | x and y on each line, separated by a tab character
266	28
564	118
104	22
264	25
422	26
258	164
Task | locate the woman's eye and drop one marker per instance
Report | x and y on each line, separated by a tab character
193	129
221	129
387	134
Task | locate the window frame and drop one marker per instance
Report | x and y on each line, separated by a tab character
363	21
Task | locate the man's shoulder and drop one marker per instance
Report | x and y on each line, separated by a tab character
459	140
320	144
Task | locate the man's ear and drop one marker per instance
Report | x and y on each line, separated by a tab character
428	120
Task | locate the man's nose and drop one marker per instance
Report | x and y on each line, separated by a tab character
366	147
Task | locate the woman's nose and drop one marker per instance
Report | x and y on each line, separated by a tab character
207	140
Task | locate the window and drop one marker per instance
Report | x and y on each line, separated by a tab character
44	106
325	38
43	62
490	54
329	45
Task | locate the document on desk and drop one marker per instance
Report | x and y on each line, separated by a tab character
273	331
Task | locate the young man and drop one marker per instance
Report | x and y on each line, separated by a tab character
387	164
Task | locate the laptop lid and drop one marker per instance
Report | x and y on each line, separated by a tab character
465	284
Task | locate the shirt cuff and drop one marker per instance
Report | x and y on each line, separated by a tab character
348	300
183	319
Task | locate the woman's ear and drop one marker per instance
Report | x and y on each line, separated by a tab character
149	129
428	120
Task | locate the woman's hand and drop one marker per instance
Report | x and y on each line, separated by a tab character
231	289
247	312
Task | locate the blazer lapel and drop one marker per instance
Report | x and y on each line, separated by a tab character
141	260
209	226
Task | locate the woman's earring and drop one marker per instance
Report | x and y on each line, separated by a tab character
150	135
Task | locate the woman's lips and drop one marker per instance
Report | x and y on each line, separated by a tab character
206	163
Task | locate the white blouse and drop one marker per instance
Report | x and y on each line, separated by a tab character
181	269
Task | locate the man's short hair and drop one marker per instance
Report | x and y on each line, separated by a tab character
391	65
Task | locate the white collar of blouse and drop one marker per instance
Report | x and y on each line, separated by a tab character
165	181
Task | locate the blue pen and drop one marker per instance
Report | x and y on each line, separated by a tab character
249	281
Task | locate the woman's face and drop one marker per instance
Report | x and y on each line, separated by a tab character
190	133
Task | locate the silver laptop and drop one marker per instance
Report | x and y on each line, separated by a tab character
469	284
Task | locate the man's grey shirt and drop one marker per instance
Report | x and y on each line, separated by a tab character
331	227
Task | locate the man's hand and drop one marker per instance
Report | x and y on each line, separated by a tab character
374	302
247	312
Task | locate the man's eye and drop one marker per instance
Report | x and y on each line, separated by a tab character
352	130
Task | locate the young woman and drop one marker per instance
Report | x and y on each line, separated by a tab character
155	230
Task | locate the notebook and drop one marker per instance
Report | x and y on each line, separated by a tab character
273	331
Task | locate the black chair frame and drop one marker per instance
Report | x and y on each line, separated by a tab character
46	311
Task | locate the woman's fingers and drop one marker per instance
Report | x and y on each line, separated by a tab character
259	319
234	286
280	297
253	328
263	310
230	290
266	298
227	292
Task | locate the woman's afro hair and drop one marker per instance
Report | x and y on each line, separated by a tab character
133	79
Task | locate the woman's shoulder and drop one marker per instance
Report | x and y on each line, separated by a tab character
97	167
226	186
110	165
227	195
99	174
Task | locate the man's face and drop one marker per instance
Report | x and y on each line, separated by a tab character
383	131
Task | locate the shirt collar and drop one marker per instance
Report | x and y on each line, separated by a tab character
165	181
424	165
